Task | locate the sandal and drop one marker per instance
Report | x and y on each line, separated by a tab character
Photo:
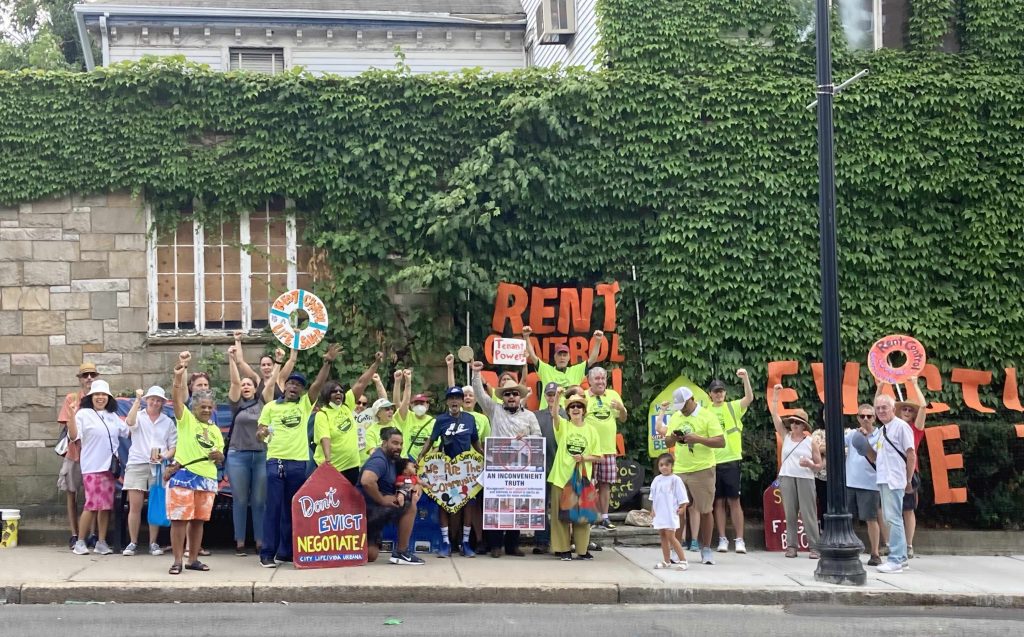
661	565
680	566
204	552
197	566
175	569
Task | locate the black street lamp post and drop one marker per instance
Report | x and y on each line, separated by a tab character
840	548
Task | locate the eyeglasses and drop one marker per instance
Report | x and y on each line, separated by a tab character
865	416
89	375
362	403
510	393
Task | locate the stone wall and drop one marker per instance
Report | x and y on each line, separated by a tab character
73	288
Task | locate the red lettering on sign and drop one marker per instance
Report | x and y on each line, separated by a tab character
509	305
970	380
540	311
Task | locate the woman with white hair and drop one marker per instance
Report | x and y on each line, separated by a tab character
96	424
153	440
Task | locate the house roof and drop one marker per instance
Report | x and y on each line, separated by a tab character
445	7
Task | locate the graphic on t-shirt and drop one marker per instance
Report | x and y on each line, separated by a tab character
575	443
344	424
203	438
291	420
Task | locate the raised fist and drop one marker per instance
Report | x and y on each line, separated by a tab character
449	360
185	357
778	387
598	334
527	330
238	335
742	373
375	378
477	366
138	394
379	356
232	351
407	373
278	354
398	374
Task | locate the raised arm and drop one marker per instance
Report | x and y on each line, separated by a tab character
531	356
449	362
661	422
246	371
773	409
595	348
133	414
403	406
483	398
271	384
918	396
364	379
324	373
179	393
396	388
553	408
382	391
748	391
287	367
235	390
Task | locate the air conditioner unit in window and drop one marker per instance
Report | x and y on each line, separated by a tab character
556	21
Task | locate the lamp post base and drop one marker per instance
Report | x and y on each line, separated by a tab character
840	553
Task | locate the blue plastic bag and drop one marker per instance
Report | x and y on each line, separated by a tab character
157	513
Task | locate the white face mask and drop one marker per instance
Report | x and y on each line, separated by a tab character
419	410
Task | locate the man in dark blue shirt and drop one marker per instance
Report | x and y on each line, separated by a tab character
456	429
377	484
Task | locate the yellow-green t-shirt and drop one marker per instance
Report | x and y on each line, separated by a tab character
372	441
289	419
572	440
602	417
483	426
573	375
733	428
197	440
339	424
703	423
416	431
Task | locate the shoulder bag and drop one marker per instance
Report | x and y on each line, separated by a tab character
915	480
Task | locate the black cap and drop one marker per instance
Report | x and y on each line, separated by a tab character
715	385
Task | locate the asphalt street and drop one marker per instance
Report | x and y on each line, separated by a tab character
454	620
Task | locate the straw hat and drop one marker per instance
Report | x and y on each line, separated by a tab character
799	416
509	385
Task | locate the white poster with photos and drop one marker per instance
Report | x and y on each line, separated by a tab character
515	489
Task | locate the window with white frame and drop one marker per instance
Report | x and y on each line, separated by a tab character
222	278
263	60
874	24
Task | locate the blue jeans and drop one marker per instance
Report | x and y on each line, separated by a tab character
247	473
284	479
892	509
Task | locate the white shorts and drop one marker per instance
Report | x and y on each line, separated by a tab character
138	477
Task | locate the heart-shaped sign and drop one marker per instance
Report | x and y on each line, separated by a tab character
451	482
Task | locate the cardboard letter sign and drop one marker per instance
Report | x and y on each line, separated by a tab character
509	351
328	522
451	482
775	522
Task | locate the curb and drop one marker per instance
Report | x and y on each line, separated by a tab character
583	593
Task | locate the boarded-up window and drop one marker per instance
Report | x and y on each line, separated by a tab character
224	277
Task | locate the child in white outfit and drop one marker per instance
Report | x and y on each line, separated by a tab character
668	504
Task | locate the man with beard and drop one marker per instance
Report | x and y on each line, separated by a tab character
383	507
508	420
456	429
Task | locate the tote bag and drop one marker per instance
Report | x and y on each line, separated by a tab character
578	503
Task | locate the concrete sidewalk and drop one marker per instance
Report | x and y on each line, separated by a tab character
35	575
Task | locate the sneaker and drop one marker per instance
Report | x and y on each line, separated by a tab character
406	558
281	560
723	545
154	549
874	560
693	546
80	548
905	564
884	550
268	562
605	523
890	567
565	557
910	552
103	549
680	566
72	541
706	556
593	546
791	551
445	550
130	549
90	541
741	546
585	556
467	550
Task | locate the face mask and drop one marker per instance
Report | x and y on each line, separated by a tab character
419	410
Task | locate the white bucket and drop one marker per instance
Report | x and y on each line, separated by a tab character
9	520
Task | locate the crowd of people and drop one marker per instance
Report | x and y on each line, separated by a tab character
282	425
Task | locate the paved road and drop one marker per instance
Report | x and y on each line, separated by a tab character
455	620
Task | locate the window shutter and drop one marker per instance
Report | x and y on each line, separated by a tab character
260	60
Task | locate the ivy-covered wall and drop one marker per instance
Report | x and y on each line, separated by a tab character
692	157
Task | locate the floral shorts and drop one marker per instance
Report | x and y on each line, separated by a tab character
189	504
99	491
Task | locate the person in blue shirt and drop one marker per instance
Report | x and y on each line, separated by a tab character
456	430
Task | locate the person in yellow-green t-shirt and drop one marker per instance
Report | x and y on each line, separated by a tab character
604	410
561	373
283	424
696	434
192	486
416	424
578	446
727	471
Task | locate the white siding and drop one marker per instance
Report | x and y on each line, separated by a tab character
355	61
204	55
579	52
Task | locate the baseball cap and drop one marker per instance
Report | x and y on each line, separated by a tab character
297	377
420	398
551	388
560	348
716	385
680	397
454	392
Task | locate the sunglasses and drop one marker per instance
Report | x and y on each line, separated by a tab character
362	403
510	393
89	375
865	416
575	407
